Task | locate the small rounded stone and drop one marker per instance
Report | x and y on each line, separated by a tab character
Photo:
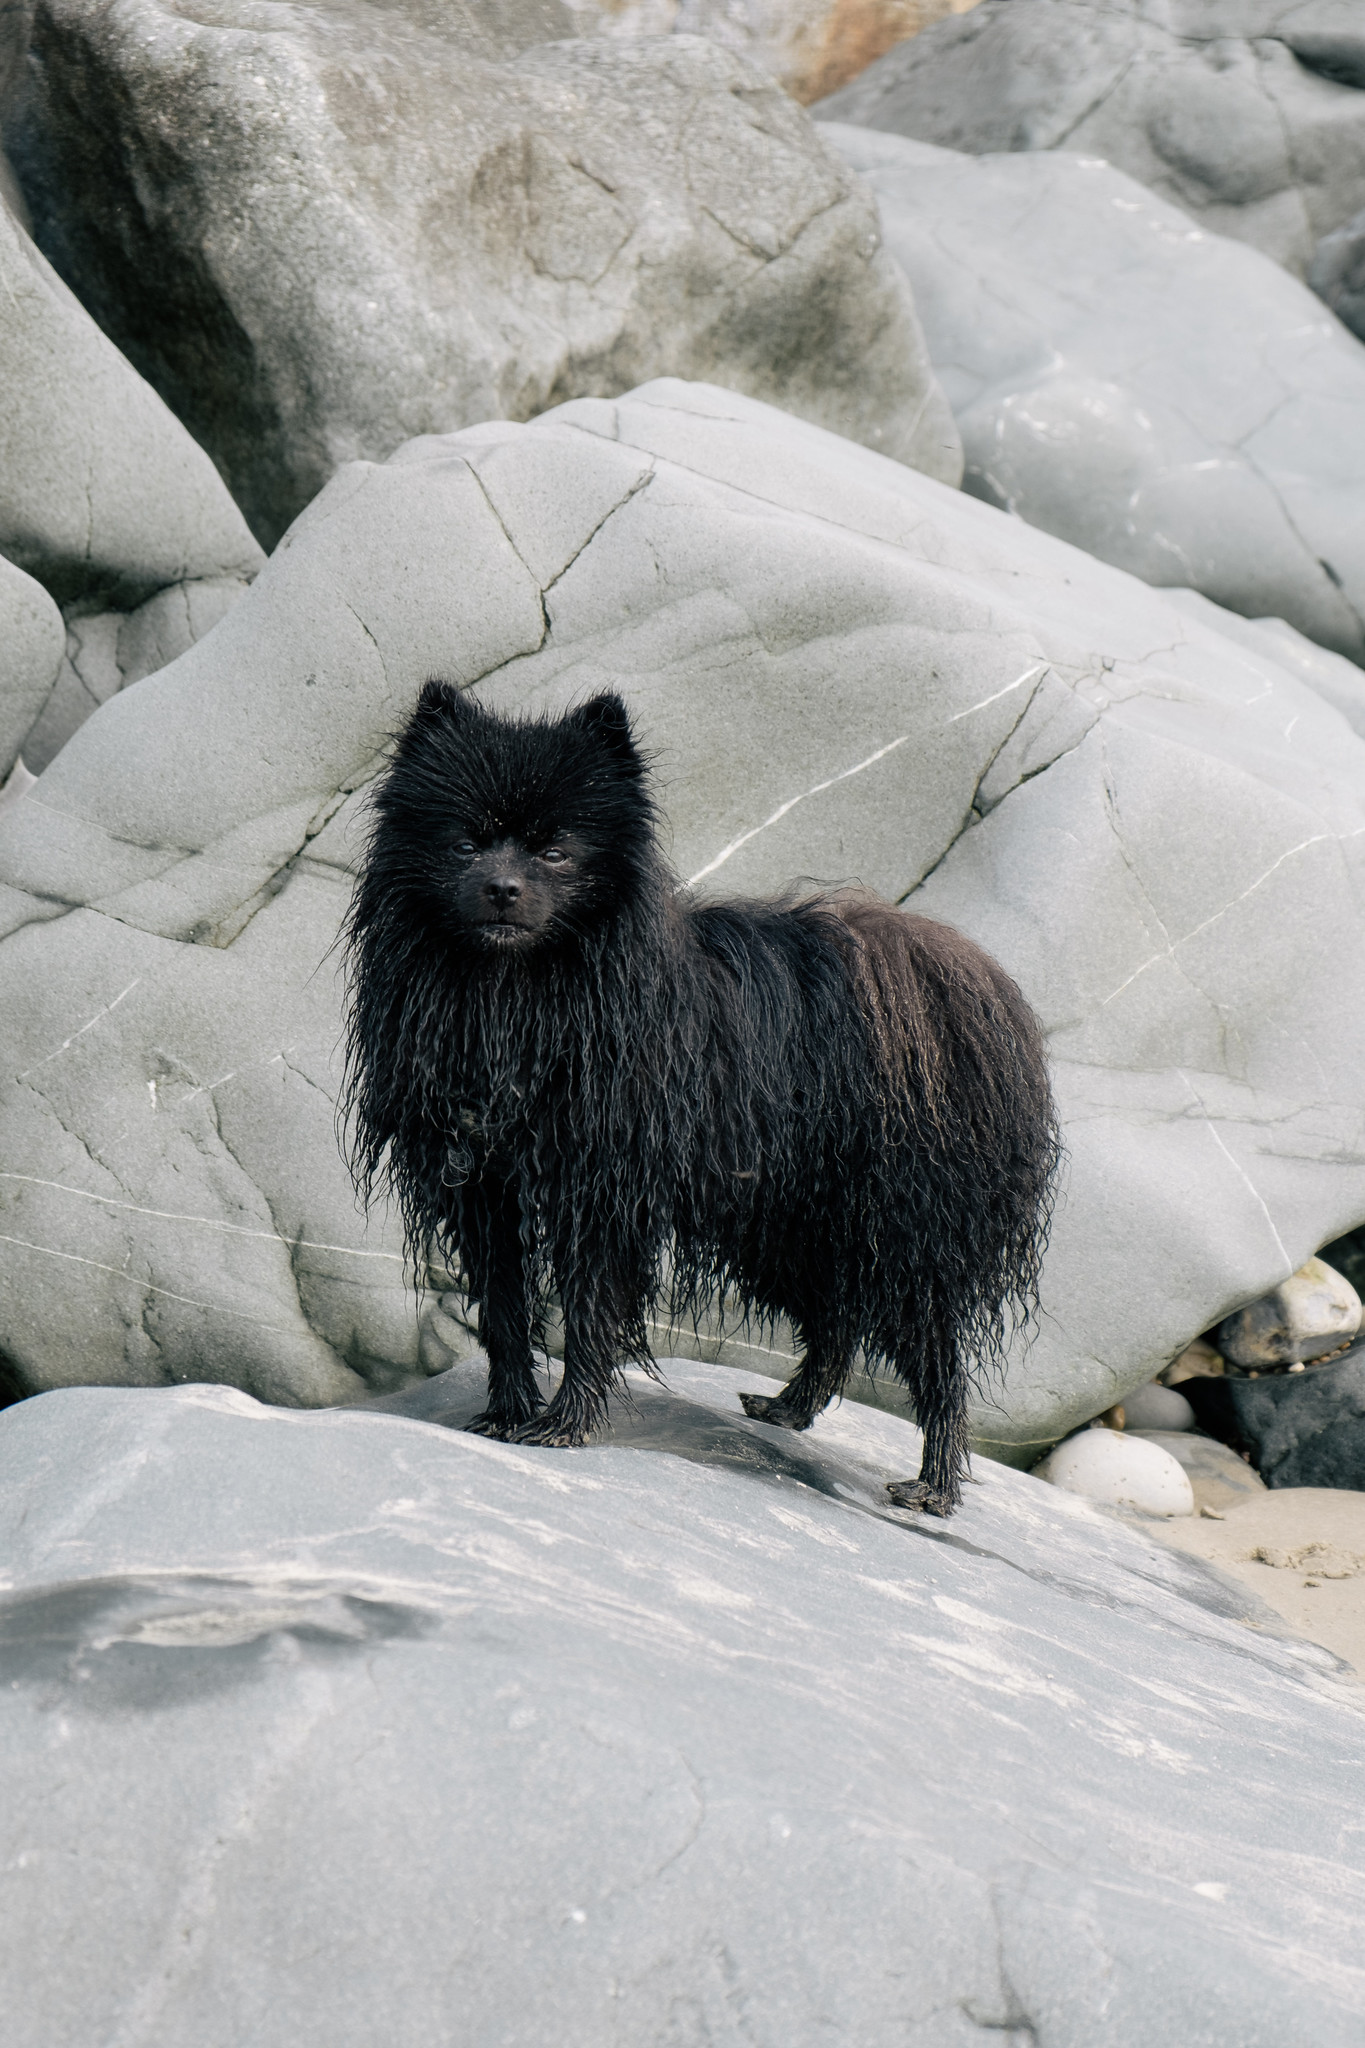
1314	1311
1157	1407
1119	1471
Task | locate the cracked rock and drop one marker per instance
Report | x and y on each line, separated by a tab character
447	238
1248	114
843	669
1164	397
393	1736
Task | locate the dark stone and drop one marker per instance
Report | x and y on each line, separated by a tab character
1302	1429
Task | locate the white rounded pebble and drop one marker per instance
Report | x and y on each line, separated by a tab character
1157	1407
1119	1470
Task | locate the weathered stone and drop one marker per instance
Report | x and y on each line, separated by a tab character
1119	1471
1165	398
395	1734
1156	1407
1314	1311
843	668
1250	114
31	644
1302	1429
448	239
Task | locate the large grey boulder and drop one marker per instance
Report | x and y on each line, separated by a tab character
844	669
1166	398
323	1731
323	231
1249	114
104	500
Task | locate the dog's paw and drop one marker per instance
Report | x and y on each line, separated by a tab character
920	1496
553	1432
770	1408
491	1424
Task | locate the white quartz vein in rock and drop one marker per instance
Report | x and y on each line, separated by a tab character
89	1026
147	1286
1039	668
790	805
298	1244
1240	1171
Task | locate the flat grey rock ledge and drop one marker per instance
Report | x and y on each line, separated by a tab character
342	1728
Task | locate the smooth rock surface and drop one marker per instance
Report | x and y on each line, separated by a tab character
1156	1407
32	643
1301	1550
1219	1478
104	498
1314	1311
1249	114
1119	1471
394	1734
1302	1429
842	669
1166	398
449	239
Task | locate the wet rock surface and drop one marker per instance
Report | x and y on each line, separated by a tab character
395	1733
1164	397
1249	114
843	669
448	238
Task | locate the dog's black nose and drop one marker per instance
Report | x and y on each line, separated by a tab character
502	890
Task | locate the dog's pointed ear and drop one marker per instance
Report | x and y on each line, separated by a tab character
605	719
439	696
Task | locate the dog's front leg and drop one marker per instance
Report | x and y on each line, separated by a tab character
502	1285
592	1353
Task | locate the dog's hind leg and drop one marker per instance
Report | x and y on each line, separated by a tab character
501	1283
819	1377
938	1386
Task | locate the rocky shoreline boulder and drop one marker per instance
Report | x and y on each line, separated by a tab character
844	669
106	502
447	238
392	1735
1248	114
1166	398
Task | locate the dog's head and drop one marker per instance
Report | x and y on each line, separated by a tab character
518	833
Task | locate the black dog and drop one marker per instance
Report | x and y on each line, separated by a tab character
569	1074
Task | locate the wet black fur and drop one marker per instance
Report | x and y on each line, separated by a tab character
571	1075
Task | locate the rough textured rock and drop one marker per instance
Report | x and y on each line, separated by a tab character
391	1736
1314	1311
449	239
843	668
1166	398
1249	114
1120	1471
811	47
104	499
1302	1429
32	643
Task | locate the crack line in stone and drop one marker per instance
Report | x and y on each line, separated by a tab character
209	1222
790	805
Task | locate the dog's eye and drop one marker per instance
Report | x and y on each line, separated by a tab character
555	855
466	847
